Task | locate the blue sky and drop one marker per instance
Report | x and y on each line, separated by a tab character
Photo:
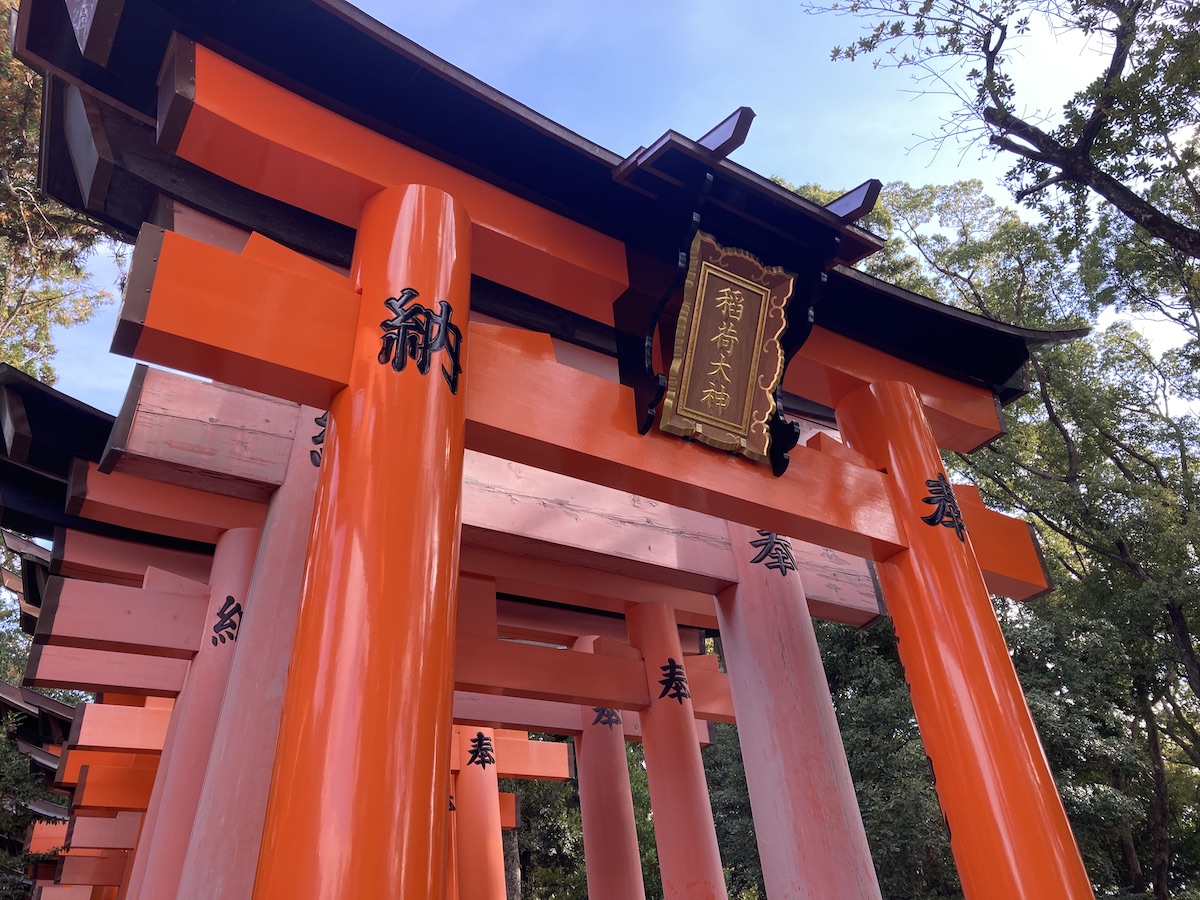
622	73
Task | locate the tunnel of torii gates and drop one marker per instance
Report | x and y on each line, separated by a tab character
501	423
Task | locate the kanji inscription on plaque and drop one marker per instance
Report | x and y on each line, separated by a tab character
727	360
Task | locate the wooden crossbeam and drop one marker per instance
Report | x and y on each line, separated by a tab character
73	761
120	832
243	453
107	869
830	500
78	554
46	836
64	892
545	716
156	506
76	668
1022	573
514	242
483	666
228	121
183	294
98	616
107	788
519	757
174	311
124	729
505	504
585	679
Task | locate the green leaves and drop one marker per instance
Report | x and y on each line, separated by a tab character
1112	139
43	246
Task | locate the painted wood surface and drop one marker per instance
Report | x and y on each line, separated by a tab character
98	616
75	668
810	835
128	729
78	554
64	892
108	869
688	856
480	848
595	679
542	716
120	832
212	437
159	858
222	851
46	836
610	844
74	760
110	788
506	506
157	506
516	755
516	242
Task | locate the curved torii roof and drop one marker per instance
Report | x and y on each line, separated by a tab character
337	56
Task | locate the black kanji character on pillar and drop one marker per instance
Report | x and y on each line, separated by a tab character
674	682
453	808
946	511
481	751
606	715
319	439
229	619
416	333
775	551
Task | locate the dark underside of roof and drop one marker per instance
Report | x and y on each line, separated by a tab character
328	52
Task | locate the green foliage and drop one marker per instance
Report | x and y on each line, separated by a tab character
43	246
19	790
726	777
1130	126
550	838
1102	458
639	784
892	775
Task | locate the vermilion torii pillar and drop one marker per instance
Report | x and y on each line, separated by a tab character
610	842
810	834
688	856
180	776
1008	830
360	779
477	816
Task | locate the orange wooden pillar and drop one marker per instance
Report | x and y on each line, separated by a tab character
1009	833
610	843
161	848
223	849
452	845
810	834
478	845
683	822
358	802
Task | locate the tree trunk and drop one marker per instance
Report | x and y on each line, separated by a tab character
1159	806
1133	865
1181	635
512	866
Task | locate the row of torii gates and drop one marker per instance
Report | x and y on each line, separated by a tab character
325	598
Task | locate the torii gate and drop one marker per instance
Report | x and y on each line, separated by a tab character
269	319
108	636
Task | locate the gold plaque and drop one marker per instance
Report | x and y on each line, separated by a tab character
727	360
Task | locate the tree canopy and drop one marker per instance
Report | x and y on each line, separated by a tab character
1128	136
43	245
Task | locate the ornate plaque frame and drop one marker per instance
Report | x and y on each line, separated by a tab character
727	360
